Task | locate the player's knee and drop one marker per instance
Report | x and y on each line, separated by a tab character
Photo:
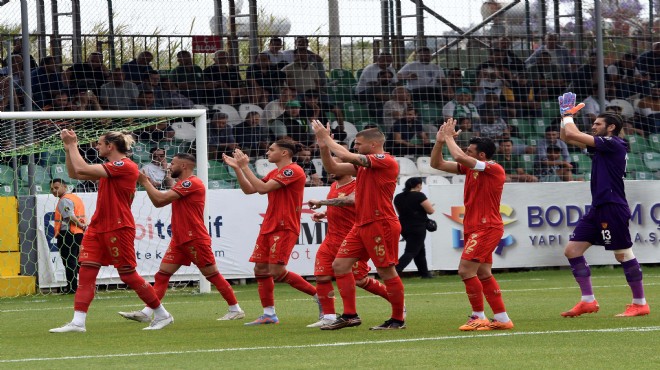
340	267
624	255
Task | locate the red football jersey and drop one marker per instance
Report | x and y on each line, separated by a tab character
188	211
115	196
285	204
375	189
340	219
482	195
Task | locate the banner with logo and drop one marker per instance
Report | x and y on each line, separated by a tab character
539	219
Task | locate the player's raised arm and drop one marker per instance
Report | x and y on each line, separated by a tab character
242	180
437	160
449	131
323	135
158	198
569	131
76	166
242	160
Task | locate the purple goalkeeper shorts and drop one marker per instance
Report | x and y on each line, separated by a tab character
606	225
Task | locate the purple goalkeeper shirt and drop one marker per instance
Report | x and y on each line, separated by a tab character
608	169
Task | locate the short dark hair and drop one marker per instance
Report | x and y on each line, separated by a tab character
612	119
290	145
484	145
186	157
553	149
61	181
372	134
154	149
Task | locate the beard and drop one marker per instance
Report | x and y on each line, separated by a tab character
175	174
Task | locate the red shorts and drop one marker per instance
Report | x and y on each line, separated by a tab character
480	244
116	247
378	240
198	252
326	255
274	248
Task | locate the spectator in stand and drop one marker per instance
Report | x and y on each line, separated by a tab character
628	79
152	82
461	105
489	82
221	136
585	76
454	81
85	100
552	139
491	125
265	75
158	170
510	59
138	69
59	102
171	97
18	50
592	106
302	43
291	125
304	160
5	86
547	78
395	108
423	79
464	123
223	81
45	81
189	78
17	77
519	97
404	131
648	63
275	108
380	93
649	111
251	136
301	74
512	163
90	75
553	169
118	94
145	100
275	54
559	55
368	85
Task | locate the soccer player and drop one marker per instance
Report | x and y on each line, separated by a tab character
190	239
376	231
70	224
606	222
482	223
111	232
341	217
281	225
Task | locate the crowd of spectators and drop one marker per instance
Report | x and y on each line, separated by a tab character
284	90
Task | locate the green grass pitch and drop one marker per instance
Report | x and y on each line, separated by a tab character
541	339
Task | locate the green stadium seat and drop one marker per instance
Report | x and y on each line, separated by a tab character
358	73
342	77
340	94
550	109
6	175
218	171
174	147
41	175
524	127
356	113
59	171
654	142
637	143
540	125
652	160
634	164
6	190
583	162
528	163
429	112
141	152
40	188
52	156
533	141
643	175
220	184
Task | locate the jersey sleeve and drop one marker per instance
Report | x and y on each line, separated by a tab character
119	168
379	161
608	144
188	186
288	175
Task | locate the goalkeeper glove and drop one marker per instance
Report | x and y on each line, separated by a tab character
567	105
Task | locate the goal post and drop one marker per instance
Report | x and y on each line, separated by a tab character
93	124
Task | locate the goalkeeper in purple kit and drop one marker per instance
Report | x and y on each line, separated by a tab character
606	222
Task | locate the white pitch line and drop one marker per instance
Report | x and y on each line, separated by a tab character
337	344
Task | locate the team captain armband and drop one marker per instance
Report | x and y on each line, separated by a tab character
565	120
479	166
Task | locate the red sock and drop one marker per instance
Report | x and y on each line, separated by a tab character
143	289
162	280
223	287
266	289
493	294
475	293
86	287
346	287
326	294
396	296
297	282
374	286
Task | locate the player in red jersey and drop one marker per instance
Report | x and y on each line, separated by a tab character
482	223
341	218
111	233
376	231
190	242
281	226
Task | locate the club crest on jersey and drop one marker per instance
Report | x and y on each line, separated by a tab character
186	184
288	172
118	163
379	156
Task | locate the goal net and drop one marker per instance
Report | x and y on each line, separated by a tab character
32	155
